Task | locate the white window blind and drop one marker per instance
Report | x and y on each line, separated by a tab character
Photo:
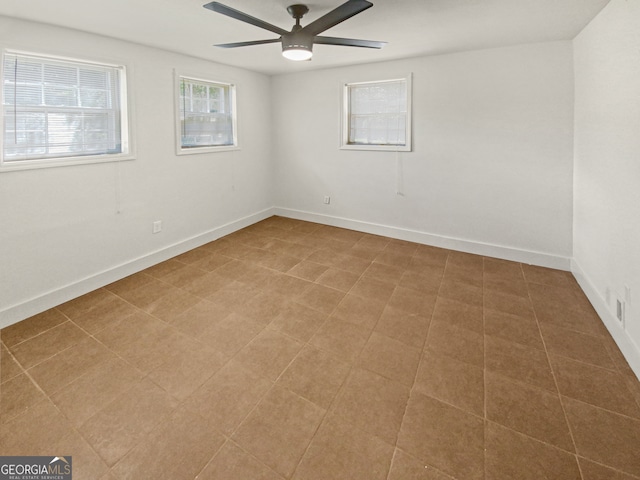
377	114
58	108
207	116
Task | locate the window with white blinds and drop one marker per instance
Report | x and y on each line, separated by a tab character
207	115
61	109
378	115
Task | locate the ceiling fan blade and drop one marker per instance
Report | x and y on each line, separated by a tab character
247	44
337	15
243	17
348	42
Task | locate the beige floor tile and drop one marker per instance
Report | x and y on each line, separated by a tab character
577	346
34	431
515	329
233	463
605	437
234	295
178	448
200	317
321	298
231	334
596	386
371	288
85	461
339	451
141	340
457	383
466	275
269	353
86	303
427	422
545	276
507	287
461	292
171	304
206	285
429	256
338	279
187	370
495	269
524	364
456	342
426	280
412	301
288	285
9	368
359	311
527	409
211	262
390	358
507	303
47	344
89	394
298	321
406	467
593	471
186	277
279	430
29	328
229	396
308	270
146	294
264	307
408	328
315	375
372	403
106	313
577	319
385	271
340	338
511	455
350	263
120	426
18	395
58	371
458	314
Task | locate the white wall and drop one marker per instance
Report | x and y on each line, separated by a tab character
491	168
64	231
607	167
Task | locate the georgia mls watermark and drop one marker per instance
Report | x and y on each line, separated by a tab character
35	468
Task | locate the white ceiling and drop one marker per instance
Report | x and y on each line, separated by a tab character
412	27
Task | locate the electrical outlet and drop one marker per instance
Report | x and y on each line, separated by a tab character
156	226
327	199
620	310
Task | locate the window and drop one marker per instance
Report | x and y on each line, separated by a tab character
57	111
377	115
207	120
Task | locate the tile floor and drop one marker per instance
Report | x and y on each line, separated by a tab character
295	350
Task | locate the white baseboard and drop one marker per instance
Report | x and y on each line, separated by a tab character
468	246
627	345
48	300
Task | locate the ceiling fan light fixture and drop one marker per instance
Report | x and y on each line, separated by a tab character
297	46
297	53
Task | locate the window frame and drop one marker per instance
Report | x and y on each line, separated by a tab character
125	109
346	112
198	149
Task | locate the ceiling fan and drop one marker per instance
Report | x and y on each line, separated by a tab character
297	44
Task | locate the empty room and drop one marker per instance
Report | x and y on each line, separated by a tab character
340	240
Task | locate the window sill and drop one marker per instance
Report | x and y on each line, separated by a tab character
196	150
379	148
62	162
